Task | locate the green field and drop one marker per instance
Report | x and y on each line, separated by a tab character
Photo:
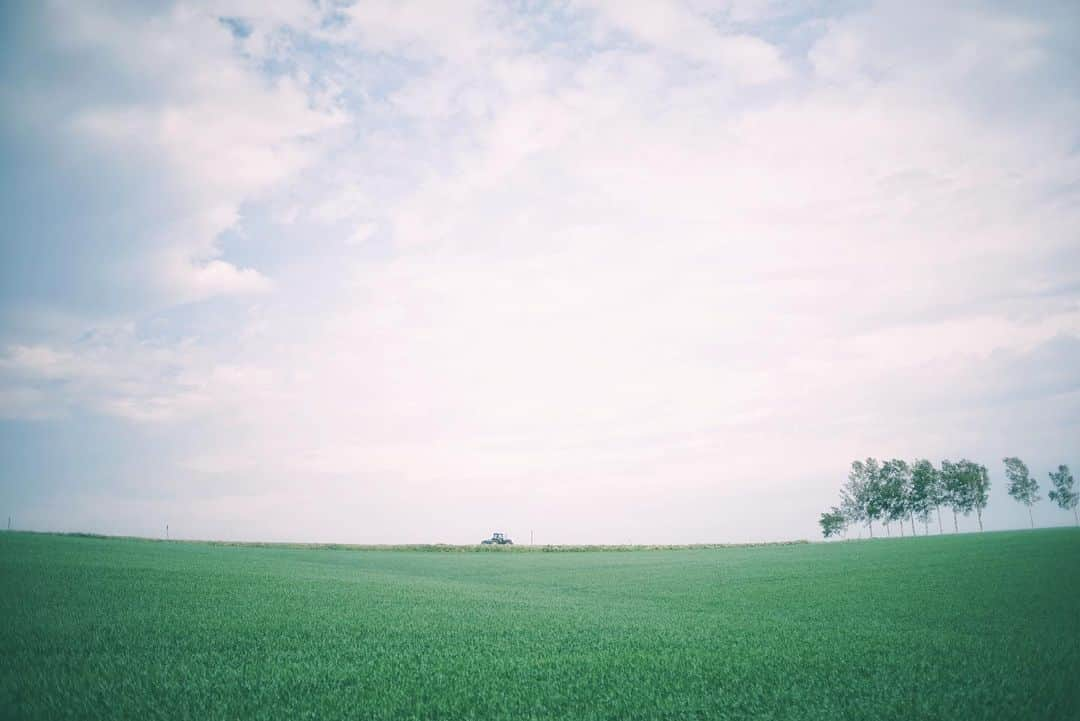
953	627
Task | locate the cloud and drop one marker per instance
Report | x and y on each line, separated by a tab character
580	262
424	30
674	28
899	43
214	278
199	129
362	233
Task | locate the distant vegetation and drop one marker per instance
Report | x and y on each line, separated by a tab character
895	492
439	547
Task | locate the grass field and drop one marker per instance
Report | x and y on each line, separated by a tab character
954	627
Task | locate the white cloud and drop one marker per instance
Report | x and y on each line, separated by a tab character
462	30
674	28
197	280
38	361
362	233
928	45
580	267
218	130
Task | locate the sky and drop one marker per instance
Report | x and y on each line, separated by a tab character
581	271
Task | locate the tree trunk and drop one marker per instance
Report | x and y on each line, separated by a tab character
1030	517
901	528
1076	516
912	525
978	513
955	524
938	508
870	525
888	531
926	527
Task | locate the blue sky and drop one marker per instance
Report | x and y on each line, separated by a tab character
608	271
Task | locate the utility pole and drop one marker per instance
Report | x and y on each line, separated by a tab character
166	531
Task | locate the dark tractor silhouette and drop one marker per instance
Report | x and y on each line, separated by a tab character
497	539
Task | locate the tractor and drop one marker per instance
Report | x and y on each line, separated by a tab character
497	539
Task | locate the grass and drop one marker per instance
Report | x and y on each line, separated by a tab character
953	627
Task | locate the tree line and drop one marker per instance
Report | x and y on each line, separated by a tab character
896	492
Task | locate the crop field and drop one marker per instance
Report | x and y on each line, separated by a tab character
953	627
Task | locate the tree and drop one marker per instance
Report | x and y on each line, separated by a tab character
1022	487
1064	493
966	488
939	498
832	522
894	491
872	496
980	488
851	498
924	492
856	496
909	508
952	491
860	498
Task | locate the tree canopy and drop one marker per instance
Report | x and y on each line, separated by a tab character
894	489
1022	487
833	522
925	489
1064	490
